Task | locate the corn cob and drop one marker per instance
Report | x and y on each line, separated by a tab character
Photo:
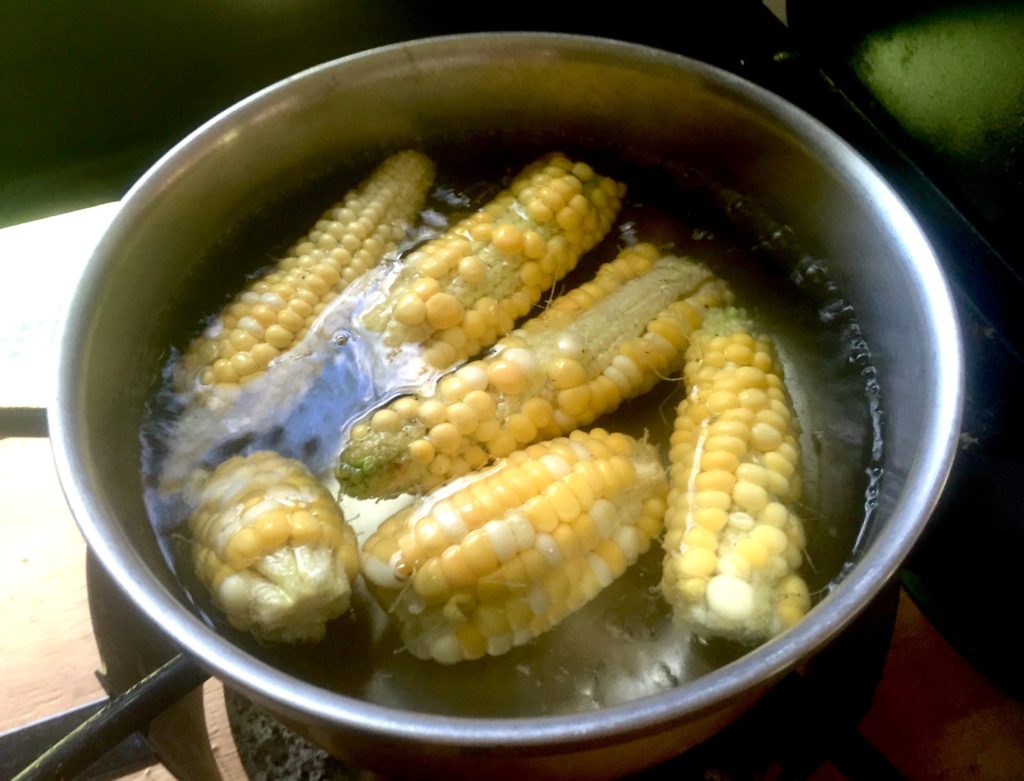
489	562
608	340
457	294
272	547
276	310
733	540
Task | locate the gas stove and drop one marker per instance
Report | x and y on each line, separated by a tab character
964	560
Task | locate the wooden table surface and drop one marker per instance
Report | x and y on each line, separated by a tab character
934	716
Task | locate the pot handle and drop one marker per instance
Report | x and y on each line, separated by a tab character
117	719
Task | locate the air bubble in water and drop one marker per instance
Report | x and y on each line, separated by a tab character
628	233
809	271
434	219
836	311
451	197
663	677
738	205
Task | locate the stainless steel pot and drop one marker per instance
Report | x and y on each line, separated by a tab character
619	97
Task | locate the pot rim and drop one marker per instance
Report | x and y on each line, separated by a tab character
534	734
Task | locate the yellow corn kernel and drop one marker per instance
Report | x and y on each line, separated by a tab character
269	316
272	547
511	249
539	381
733	540
506	574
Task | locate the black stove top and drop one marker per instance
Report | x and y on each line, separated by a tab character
963	571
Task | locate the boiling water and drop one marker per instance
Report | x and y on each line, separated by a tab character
624	644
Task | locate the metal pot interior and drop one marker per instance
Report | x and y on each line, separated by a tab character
785	186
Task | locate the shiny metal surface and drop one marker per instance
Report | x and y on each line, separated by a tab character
654	105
